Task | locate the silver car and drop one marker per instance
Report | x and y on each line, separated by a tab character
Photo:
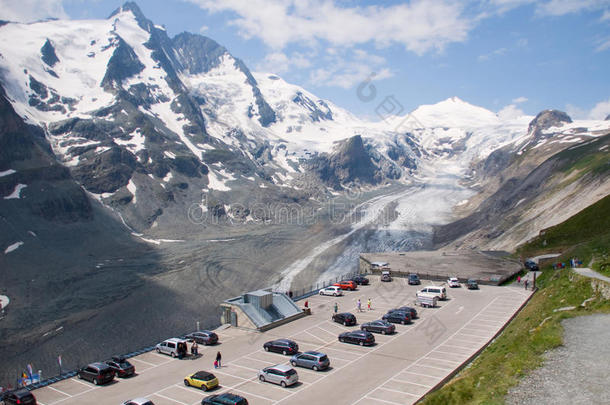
313	360
281	374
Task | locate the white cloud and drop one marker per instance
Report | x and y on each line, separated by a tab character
420	26
492	54
603	45
510	112
203	29
600	111
520	100
31	10
279	62
605	16
563	7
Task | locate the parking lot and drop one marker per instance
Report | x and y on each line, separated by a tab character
398	369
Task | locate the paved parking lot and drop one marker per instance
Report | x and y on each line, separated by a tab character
399	369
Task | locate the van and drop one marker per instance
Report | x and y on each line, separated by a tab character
171	347
440	292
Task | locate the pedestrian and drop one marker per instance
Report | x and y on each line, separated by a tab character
306	304
359	305
218	360
519	279
368	304
526	281
194	349
290	294
336	307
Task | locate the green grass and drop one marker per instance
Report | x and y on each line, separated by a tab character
520	348
537	328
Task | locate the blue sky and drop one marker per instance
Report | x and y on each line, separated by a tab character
505	55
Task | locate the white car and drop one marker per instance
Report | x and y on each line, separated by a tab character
281	374
138	401
453	282
440	292
332	290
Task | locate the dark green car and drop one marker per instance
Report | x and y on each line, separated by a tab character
472	284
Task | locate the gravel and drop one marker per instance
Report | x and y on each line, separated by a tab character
575	373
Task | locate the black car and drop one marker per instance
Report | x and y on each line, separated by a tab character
21	397
345	318
398	317
224	399
284	346
121	367
412	310
358	337
531	265
379	326
97	373
413	279
472	284
204	337
360	280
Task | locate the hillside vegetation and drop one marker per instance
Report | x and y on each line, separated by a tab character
537	328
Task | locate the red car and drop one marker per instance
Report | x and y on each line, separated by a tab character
346	285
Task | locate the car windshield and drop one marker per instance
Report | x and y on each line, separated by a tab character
290	372
124	364
323	358
204	376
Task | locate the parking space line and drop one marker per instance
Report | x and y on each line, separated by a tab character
410	382
170	399
247	368
80	382
398	391
60	391
441	351
448	361
462	340
377	399
460	347
142	361
476	336
249	393
427	365
420	374
314	336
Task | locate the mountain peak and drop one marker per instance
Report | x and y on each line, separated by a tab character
454	112
132	7
549	118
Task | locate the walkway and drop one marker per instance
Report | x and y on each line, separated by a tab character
587	272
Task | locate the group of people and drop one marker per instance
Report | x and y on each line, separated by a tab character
195	352
358	305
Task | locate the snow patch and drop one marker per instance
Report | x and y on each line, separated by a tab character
7	172
131	186
16	194
13	247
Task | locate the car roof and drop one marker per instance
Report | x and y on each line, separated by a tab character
98	365
140	400
314	353
284	340
203	373
281	367
175	340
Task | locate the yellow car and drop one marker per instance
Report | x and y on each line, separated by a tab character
201	379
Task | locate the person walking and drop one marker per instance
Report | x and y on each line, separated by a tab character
368	304
218	360
336	307
519	279
359	305
194	349
526	282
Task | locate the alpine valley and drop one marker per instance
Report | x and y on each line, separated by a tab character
144	179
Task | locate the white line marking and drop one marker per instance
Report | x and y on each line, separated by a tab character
170	399
420	374
399	391
142	361
411	382
60	391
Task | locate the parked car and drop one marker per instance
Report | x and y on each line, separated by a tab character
379	326
531	265
398	317
204	337
139	401
427	300
172	347
121	367
472	284
360	280
313	360
332	290
97	373
413	279
358	337
201	379
21	397
281	374
412	310
346	318
453	282
385	276
224	399
284	346
346	285
440	292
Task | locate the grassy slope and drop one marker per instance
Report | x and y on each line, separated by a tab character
537	328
